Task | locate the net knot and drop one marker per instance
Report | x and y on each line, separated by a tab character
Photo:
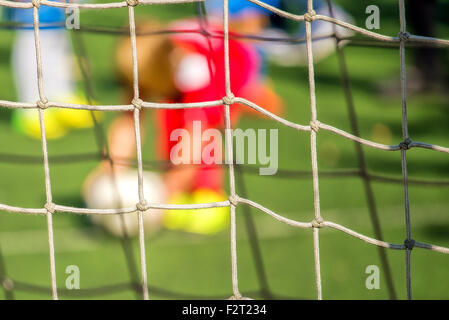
42	104
409	244
36	3
315	125
50	207
234	200
403	36
142	206
317	222
310	16
405	145
228	99
137	103
204	32
132	3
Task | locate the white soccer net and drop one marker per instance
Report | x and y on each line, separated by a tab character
234	200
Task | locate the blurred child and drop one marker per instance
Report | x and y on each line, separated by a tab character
323	43
189	67
255	20
57	68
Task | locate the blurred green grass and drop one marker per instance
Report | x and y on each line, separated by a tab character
200	266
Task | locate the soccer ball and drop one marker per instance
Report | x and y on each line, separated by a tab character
120	190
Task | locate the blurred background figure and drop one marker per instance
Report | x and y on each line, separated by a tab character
428	74
251	19
58	72
189	67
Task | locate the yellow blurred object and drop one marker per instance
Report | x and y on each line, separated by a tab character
27	121
177	219
200	221
58	121
211	220
74	118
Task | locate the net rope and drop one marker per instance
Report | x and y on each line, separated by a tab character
404	38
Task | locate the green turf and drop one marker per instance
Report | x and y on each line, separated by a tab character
200	266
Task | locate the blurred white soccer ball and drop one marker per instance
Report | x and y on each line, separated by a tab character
107	191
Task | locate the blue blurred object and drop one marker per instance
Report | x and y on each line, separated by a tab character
237	7
47	15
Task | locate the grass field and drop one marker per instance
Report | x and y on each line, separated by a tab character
198	266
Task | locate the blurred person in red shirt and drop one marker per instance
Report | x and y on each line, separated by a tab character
181	68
